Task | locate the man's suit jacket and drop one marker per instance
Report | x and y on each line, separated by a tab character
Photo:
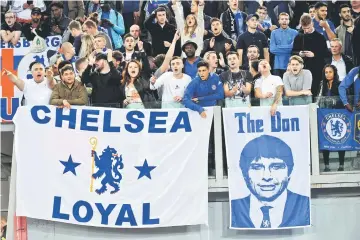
296	212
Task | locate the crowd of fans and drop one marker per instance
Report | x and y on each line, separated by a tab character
193	54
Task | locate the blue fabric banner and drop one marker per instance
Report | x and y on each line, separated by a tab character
338	129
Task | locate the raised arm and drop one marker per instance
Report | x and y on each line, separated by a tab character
170	53
19	83
179	14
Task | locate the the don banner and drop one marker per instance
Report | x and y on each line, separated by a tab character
338	129
269	167
112	167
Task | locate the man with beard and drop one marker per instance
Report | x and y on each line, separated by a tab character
203	91
68	92
281	44
140	55
252	37
252	54
37	91
297	82
219	43
36	25
162	32
312	47
237	86
58	21
105	79
173	83
10	29
345	30
321	24
191	61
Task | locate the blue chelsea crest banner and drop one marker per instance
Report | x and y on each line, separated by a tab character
112	167
338	129
269	167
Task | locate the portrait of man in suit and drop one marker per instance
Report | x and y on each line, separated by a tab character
266	163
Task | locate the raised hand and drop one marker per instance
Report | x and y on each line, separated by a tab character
212	42
140	45
7	72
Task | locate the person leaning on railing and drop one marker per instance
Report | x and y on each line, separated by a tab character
353	77
69	91
328	96
297	82
269	88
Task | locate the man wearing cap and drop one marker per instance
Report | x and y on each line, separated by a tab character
105	79
191	61
58	21
36	25
23	9
252	37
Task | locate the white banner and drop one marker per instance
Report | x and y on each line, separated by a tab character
269	167
112	167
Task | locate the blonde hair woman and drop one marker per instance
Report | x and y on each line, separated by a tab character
193	27
87	45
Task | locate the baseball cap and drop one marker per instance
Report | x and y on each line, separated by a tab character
251	16
100	56
36	10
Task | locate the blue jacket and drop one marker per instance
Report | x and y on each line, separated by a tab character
296	212
321	29
281	45
206	91
117	30
351	77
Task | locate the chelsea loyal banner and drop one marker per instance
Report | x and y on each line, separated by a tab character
269	167
112	167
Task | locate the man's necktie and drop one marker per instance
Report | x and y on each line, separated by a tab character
266	217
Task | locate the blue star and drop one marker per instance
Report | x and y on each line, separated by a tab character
145	170
70	165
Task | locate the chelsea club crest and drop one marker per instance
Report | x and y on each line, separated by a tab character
336	127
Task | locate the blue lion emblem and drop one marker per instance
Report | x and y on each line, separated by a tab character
108	163
39	59
336	128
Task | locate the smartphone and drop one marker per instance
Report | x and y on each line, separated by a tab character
29	2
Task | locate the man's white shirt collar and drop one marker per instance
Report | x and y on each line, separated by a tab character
276	212
340	60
